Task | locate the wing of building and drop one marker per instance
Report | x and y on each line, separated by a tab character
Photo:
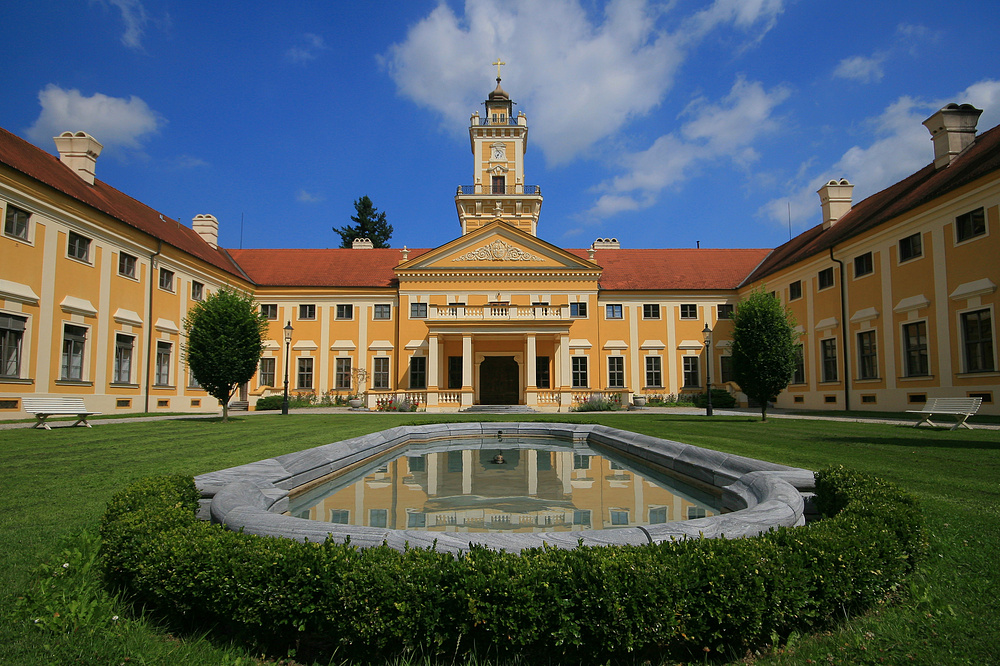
894	296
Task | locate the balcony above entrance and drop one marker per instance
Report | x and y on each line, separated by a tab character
498	312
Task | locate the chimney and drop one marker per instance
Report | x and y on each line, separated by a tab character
606	244
79	152
835	201
952	129
362	244
207	226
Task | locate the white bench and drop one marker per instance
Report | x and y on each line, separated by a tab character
961	408
43	408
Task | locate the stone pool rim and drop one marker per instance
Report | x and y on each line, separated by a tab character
759	495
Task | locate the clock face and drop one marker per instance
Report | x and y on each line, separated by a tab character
499	153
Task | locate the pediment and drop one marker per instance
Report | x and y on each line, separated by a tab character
497	246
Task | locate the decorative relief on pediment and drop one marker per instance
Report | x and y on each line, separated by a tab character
498	251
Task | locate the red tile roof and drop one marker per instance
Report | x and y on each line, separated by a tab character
978	160
45	168
322	268
674	268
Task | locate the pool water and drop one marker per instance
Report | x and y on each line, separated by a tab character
503	485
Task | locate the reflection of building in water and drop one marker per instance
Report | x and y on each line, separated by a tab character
534	491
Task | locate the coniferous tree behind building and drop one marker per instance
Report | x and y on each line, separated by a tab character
369	223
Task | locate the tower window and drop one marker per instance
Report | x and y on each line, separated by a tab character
499	184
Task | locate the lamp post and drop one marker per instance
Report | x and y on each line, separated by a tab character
707	333
288	345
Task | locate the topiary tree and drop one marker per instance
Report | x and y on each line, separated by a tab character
371	224
225	338
763	347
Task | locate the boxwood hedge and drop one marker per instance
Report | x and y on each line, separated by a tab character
590	604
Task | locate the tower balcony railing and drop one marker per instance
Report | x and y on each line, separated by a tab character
498	312
498	120
492	189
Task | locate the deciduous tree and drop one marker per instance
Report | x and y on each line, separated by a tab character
369	223
763	347
225	338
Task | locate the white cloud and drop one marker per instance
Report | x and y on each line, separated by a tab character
307	197
900	146
307	49
135	18
118	123
719	130
864	69
582	77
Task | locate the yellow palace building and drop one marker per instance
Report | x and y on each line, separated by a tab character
894	295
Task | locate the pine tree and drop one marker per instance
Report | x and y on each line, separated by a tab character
369	224
763	347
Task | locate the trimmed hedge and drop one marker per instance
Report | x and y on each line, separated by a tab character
590	604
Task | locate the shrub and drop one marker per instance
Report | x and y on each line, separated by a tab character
590	604
720	398
270	402
598	402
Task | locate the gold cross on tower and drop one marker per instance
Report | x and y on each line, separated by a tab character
498	63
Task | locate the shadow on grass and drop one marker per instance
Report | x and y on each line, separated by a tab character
954	440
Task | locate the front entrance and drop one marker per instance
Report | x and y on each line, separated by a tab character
498	381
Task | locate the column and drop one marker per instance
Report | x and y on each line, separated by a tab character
531	390
565	375
433	347
468	391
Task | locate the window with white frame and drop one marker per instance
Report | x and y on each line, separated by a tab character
977	338
613	311
74	346
616	372
971	224
726	369
578	366
581	517
340	516
418	372
542	377
380	372
692	377
650	311
825	278
12	330
193	382
166	279
689	311
270	311
342	373
654	372
78	246
126	264
304	376
377	517
799	373
578	310
725	311
657	515
916	360
867	355
863	265
265	372
795	290
15	222
828	357
124	353
418	311
382	311
619	516
910	247
162	376
345	311
307	311
197	291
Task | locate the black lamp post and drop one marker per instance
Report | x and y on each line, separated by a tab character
288	345
707	333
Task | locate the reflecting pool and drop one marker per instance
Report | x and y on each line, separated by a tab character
529	484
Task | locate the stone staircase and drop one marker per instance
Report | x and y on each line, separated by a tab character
239	406
499	409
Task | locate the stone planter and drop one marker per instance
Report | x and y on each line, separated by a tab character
639	400
356	403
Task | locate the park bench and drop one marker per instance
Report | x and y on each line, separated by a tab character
43	408
961	408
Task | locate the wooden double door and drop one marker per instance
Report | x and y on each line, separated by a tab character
499	381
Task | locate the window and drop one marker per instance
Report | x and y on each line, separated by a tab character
726	366
542	378
909	247
305	373
124	350
16	222
799	374
380	372
193	382
581	517
416	464
270	311
654	372
977	331
725	311
499	183
340	516
455	462
826	278
197	291
382	311
416	519
613	311
971	224
126	264
79	247
342	374
579	369
695	512
74	342
581	461
345	311
11	338
915	349
162	377
265	373
454	372
377	517
578	310
863	264
795	290
616	372
867	356
828	351
308	311
418	310
657	515
619	516
650	311
166	279
689	311
418	372
691	379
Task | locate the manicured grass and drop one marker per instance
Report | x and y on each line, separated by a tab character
58	482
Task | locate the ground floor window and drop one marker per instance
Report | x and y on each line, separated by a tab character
162	377
377	517
11	339
342	374
619	516
265	374
867	356
828	350
454	372
726	366
74	343
616	372
915	349
977	331
799	374
305	374
654	372
542	378
418	372
124	351
380	372
691	374
340	516
579	368
657	515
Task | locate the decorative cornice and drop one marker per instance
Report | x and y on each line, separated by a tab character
498	251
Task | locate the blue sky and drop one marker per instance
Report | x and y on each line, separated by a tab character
661	124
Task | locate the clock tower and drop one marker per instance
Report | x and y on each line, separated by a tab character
499	140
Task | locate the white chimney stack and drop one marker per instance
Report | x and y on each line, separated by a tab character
207	226
835	201
79	152
362	244
952	129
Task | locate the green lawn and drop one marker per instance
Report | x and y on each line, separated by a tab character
57	483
